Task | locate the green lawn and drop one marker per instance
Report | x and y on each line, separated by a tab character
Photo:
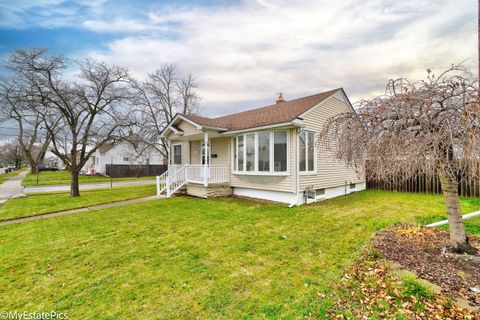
46	178
6	176
473	225
188	258
38	203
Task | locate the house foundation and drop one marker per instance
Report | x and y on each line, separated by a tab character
210	191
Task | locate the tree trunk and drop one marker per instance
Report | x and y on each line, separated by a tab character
74	185
34	167
458	235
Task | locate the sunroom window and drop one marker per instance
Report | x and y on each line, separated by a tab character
261	152
250	140
264	151
280	151
306	151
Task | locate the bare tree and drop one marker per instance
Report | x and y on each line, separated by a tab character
162	95
11	152
417	127
88	112
16	103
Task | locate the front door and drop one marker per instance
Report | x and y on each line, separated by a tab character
206	158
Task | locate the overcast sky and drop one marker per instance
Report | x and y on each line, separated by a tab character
243	53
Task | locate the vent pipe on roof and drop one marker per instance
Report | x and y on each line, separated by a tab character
280	98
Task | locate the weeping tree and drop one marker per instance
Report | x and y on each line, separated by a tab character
423	127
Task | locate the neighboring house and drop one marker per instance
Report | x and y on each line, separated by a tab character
269	153
120	152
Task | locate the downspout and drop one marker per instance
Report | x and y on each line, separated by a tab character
297	172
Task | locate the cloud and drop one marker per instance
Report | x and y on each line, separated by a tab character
244	53
123	25
250	51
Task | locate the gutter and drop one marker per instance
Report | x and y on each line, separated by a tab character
295	123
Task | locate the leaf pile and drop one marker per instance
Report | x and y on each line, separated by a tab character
425	252
370	290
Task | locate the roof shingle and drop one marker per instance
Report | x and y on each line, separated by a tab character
273	114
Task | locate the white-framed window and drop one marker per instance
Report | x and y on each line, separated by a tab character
208	155
176	154
306	152
261	153
125	159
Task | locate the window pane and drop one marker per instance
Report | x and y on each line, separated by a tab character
177	154
264	151
311	144
280	151
203	154
302	150
240	153
250	163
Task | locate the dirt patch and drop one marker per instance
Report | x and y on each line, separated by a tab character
425	251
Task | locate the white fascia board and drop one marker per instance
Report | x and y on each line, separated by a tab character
169	127
196	125
214	128
294	123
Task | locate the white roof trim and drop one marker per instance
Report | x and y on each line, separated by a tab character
214	128
175	130
199	127
295	123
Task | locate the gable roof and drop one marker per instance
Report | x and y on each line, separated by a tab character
272	114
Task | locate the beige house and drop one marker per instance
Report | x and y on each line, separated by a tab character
270	153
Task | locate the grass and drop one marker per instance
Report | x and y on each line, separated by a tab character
46	178
185	258
38	203
6	176
468	205
473	225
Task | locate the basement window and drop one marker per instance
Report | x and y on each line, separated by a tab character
320	192
352	185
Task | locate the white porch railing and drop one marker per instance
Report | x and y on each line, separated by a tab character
162	179
215	174
176	180
177	176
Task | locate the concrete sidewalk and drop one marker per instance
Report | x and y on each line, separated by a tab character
12	186
86	186
91	208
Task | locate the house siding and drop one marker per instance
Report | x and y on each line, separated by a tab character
219	146
331	171
185	151
187	128
117	154
273	183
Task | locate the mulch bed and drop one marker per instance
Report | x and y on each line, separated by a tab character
425	251
371	290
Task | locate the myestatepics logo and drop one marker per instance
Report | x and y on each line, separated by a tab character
27	315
